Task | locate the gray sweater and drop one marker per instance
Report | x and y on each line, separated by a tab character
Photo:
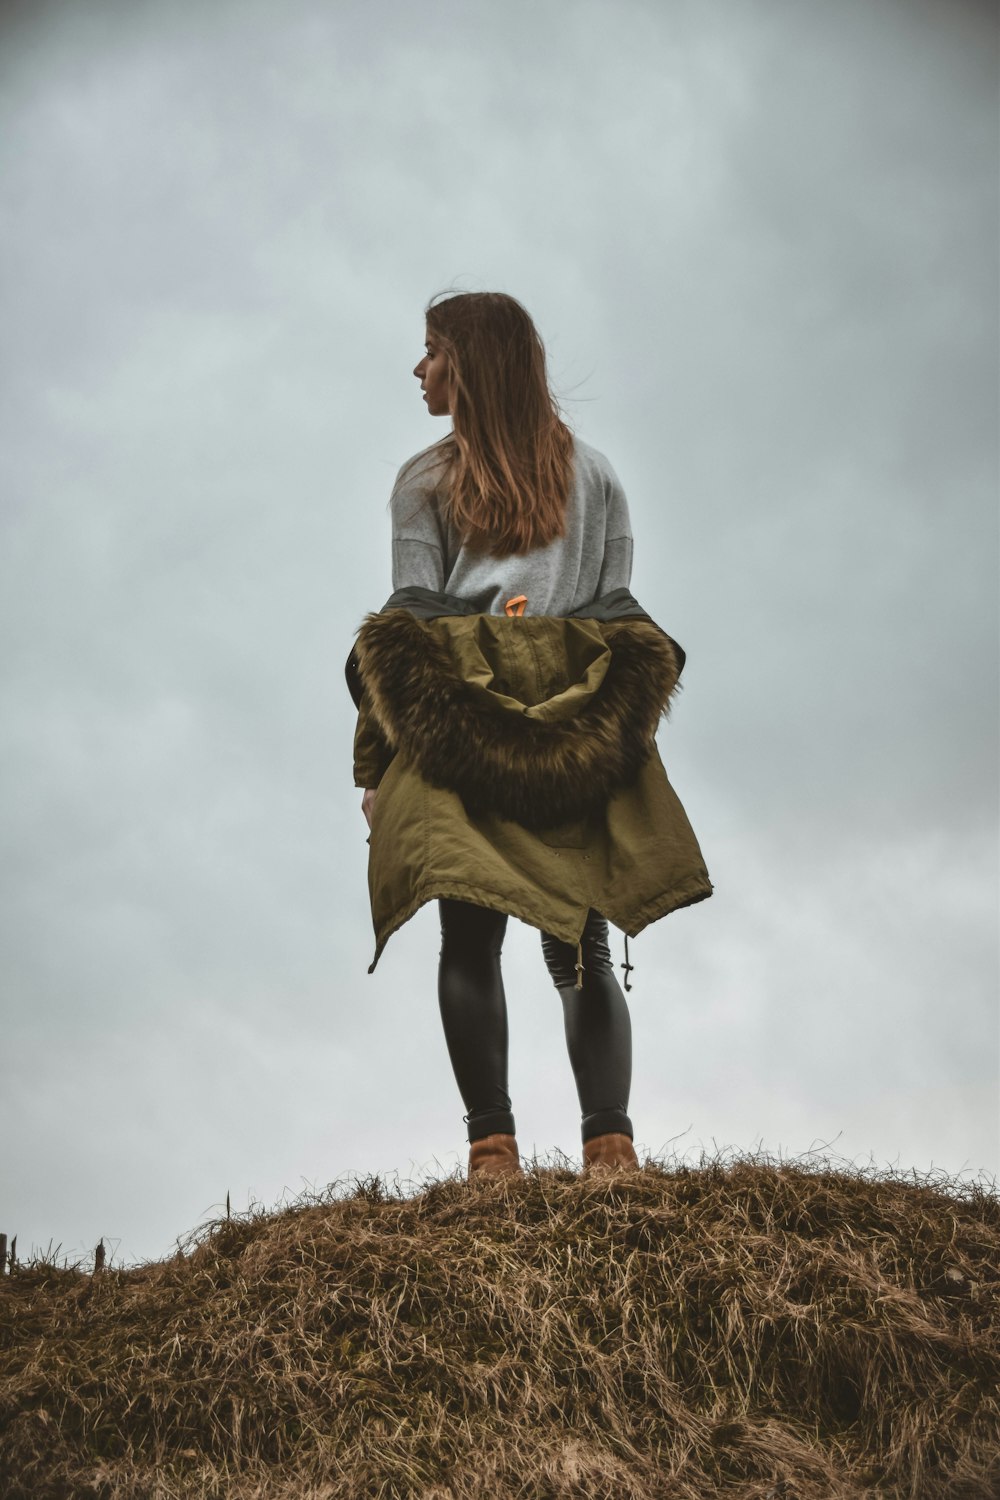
593	557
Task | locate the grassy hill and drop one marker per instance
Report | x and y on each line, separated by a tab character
750	1329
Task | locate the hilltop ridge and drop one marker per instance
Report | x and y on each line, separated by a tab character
744	1329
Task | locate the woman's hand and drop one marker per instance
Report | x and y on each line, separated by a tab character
368	802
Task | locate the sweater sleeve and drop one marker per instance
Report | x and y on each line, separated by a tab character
418	548
616	569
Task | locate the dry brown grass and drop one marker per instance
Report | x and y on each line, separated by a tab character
744	1329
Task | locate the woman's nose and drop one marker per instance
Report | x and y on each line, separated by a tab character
418	370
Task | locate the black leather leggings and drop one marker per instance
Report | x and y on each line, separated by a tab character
474	1013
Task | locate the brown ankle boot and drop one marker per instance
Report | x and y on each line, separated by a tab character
494	1156
607	1153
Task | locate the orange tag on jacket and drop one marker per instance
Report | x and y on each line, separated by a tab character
516	605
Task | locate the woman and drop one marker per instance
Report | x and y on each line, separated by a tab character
508	694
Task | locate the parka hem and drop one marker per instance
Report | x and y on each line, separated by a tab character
662	906
457	890
434	890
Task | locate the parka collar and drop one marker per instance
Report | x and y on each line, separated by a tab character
431	604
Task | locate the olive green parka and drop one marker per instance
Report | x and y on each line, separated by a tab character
516	764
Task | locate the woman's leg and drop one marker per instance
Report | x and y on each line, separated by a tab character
474	1013
598	1028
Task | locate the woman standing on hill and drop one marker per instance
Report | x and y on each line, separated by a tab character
508	694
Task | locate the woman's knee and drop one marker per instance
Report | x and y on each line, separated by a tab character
561	958
476	928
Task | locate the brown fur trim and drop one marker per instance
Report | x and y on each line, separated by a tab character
499	762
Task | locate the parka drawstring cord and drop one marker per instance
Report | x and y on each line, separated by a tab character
579	965
626	965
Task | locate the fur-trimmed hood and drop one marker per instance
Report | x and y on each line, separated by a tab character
537	719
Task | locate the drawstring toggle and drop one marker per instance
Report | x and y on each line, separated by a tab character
626	965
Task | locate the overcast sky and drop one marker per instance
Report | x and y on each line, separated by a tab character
760	240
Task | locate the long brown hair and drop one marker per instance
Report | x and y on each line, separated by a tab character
509	458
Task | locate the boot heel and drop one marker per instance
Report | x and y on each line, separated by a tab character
608	1153
495	1156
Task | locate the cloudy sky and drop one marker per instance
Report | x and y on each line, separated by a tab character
760	240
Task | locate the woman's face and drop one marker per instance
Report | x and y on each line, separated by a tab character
434	376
